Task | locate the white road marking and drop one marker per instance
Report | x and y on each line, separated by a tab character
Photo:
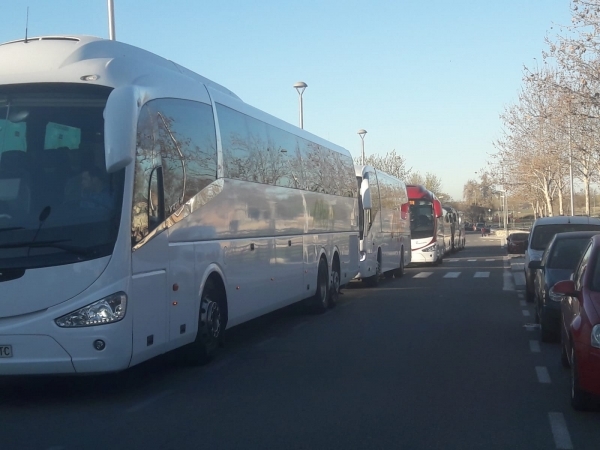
149	401
488	260
522	303
534	346
452	275
452	260
531	326
519	278
507	281
526	313
471	260
423	274
520	295
543	374
562	439
481	275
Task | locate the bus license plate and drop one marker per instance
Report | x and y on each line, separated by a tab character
6	351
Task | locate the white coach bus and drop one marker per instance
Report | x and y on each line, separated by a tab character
384	223
145	208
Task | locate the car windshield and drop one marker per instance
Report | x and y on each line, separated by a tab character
58	204
566	253
543	234
421	219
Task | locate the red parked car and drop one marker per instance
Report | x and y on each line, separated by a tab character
517	242
580	326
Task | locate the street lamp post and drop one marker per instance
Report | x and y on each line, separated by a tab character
362	133
111	20
300	86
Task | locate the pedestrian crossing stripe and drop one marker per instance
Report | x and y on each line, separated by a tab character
452	275
423	274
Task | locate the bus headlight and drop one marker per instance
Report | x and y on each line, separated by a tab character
108	310
596	336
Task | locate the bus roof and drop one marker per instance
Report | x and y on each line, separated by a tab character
66	59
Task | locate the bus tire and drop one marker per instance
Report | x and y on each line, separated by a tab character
399	272
334	285
211	325
320	301
373	281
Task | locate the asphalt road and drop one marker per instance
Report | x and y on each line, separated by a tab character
440	359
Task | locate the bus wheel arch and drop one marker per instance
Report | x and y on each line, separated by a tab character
212	321
319	302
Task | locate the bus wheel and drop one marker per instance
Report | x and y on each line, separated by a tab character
334	287
374	280
210	327
320	301
399	272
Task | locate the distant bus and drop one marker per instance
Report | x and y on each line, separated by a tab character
385	242
426	225
454	229
144	208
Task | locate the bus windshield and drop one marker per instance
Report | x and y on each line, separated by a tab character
421	219
58	204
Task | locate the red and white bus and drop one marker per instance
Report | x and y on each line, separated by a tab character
426	226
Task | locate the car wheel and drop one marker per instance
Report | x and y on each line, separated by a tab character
529	295
564	357
580	400
546	335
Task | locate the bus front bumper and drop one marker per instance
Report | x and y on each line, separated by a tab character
34	355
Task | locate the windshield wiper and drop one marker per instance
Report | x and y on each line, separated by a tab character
57	243
30	244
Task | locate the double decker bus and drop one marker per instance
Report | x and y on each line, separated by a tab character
384	223
426	226
145	208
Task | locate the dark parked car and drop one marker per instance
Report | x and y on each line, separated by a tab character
580	330
557	264
516	242
542	231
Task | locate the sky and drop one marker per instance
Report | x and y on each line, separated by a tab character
427	79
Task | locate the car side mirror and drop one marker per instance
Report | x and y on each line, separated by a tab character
533	265
565	287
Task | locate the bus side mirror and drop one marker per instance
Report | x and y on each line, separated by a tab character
120	127
437	208
365	192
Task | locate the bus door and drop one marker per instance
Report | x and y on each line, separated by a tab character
149	267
